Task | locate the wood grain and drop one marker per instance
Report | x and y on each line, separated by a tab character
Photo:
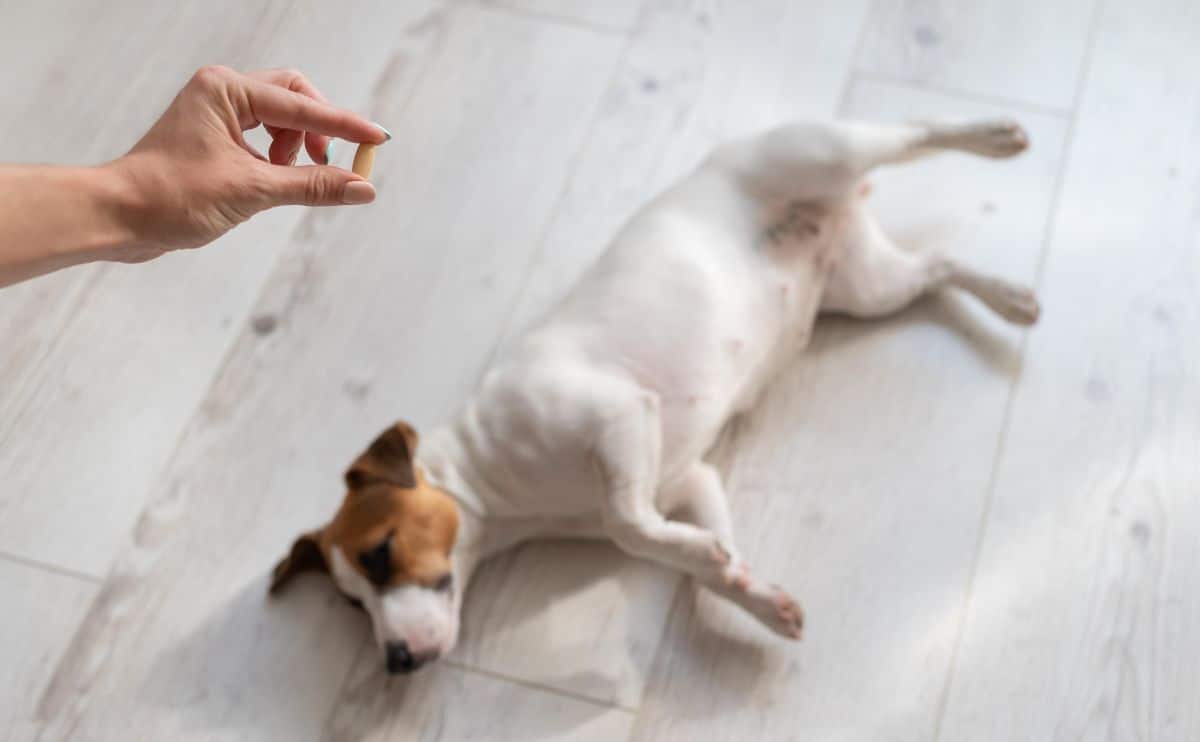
449	704
860	482
1084	616
228	387
41	610
386	311
614	15
1017	50
106	378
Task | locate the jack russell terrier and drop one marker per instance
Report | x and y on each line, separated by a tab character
597	423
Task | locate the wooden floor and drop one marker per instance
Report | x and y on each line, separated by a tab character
1008	549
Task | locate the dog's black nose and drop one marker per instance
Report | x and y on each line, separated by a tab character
399	659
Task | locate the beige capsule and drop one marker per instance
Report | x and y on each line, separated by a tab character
364	160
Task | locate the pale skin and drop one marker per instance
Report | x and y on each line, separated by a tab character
188	181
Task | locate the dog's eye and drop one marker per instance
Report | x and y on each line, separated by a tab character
378	563
444	583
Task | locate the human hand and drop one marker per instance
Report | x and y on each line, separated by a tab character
193	176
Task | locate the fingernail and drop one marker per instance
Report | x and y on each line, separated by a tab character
329	150
386	133
358	192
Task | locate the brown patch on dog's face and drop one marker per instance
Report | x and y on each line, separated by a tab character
396	535
391	538
395	526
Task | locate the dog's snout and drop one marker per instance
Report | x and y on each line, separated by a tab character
400	659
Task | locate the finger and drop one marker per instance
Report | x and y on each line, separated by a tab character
285	147
290	79
277	106
320	148
316	185
317	145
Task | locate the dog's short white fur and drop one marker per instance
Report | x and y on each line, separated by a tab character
596	423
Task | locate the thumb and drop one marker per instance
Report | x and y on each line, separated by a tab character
317	185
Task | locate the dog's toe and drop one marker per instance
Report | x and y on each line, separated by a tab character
1019	306
788	614
1000	138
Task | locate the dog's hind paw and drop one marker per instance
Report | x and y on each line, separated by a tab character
1016	304
1000	138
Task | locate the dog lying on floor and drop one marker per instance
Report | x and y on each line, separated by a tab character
596	423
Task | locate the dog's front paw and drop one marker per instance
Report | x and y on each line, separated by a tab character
769	603
737	576
788	620
720	554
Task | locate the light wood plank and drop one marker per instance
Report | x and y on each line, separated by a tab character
83	81
56	109
1085	617
1019	50
583	617
388	311
448	704
860	481
108	377
616	15
41	610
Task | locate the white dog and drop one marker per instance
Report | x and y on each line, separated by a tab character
597	422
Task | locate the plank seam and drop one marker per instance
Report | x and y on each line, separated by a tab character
48	567
983	98
1039	270
561	20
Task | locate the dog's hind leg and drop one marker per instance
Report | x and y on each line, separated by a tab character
874	277
697	497
824	160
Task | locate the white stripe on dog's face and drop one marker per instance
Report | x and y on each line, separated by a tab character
424	618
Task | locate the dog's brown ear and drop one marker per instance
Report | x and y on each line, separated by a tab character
305	556
388	460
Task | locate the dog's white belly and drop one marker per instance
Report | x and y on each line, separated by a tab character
697	302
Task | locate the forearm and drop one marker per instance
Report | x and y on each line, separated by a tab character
53	217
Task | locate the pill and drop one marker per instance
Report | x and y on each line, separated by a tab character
364	160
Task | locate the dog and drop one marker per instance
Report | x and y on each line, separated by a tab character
596	423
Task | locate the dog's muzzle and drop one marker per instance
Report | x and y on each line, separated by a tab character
400	659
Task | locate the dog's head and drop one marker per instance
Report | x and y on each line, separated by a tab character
388	549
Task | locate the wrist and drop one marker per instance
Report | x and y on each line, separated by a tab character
54	217
121	208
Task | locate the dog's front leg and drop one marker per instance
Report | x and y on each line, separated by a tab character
698	497
628	458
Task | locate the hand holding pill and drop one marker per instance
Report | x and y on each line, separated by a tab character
223	181
191	178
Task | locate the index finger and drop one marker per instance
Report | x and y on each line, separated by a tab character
287	109
290	79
